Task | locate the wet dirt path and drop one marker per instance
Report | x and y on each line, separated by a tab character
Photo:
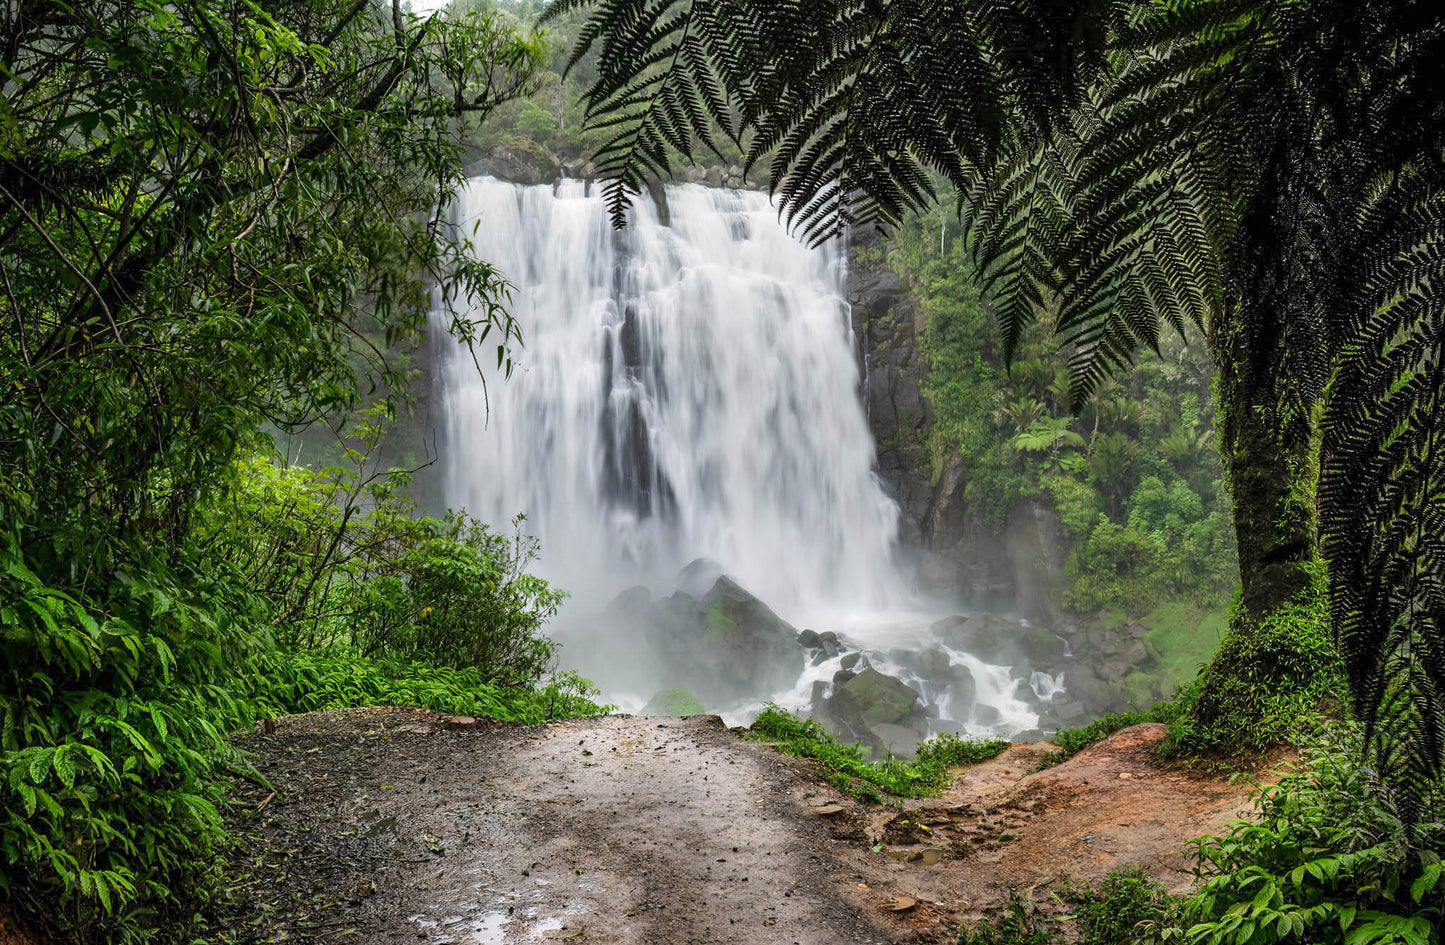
386	828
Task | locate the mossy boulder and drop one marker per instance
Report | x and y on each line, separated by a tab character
675	703
1001	640
871	699
523	161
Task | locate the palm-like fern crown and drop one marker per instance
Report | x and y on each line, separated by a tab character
1271	170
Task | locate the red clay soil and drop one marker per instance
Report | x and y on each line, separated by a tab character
386	826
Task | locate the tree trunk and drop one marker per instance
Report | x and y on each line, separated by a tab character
1272	356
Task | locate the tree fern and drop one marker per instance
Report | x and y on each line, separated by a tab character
1270	170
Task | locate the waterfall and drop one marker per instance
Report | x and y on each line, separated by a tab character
686	388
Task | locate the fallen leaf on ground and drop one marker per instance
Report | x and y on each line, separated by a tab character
899	903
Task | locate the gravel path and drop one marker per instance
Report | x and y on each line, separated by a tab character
386	828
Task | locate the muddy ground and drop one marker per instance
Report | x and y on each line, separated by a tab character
386	825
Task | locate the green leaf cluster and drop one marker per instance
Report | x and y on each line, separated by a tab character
845	767
1134	475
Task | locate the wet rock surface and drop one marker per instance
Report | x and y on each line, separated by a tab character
711	637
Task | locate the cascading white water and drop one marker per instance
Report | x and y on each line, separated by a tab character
687	389
684	390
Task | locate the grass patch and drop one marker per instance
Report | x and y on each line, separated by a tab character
846	769
1182	638
1071	741
283	683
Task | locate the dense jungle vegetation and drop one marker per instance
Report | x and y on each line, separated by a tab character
208	210
217	217
1133	474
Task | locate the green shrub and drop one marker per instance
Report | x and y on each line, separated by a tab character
285	683
1326	860
1127	907
342	560
849	771
1020	923
115	713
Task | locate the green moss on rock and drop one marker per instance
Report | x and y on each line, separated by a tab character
674	703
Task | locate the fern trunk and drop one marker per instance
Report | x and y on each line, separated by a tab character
1271	357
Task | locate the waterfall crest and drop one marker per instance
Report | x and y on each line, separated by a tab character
684	390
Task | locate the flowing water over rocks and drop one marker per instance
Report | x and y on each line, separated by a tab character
687	389
685	419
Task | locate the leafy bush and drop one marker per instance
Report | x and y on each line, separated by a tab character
282	683
342	560
846	768
1127	907
114	719
1020	924
1327	860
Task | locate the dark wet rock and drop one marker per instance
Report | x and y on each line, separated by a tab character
985	714
1001	640
1068	710
962	689
809	640
842	676
854	662
831	644
935	664
895	741
523	161
871	698
698	576
725	647
635	603
746	646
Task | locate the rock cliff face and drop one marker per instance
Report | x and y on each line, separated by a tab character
956	551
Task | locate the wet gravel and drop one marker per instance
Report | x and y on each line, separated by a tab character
382	826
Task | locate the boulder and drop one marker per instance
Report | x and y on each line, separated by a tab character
746	648
985	714
854	662
895	741
871	698
523	161
809	640
1001	640
635	603
831	644
673	702
933	663
962	689
698	576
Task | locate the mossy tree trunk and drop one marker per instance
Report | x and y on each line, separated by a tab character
1272	356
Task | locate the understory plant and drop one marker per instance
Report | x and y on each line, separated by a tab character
845	767
1327	859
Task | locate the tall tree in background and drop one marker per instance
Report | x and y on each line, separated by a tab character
1268	169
